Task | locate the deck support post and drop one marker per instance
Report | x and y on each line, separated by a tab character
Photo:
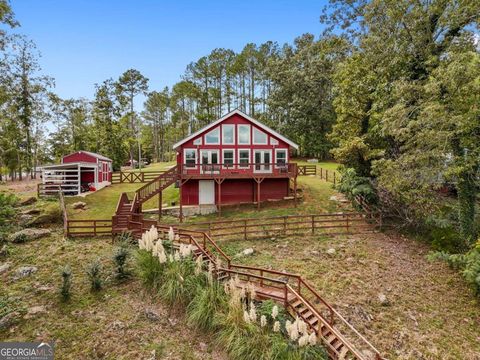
295	191
258	181
180	183
219	182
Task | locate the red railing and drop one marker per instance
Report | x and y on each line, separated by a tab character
240	170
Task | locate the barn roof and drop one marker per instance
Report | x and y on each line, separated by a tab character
95	155
242	114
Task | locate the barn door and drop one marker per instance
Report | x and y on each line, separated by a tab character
206	194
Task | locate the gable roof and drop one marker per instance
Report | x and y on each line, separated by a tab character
242	114
95	155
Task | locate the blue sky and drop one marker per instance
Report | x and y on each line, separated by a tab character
85	42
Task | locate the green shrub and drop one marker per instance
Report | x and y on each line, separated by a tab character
207	302
266	308
7	210
120	258
352	185
468	264
66	283
126	237
149	269
94	272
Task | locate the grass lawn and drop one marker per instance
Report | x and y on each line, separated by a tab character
110	324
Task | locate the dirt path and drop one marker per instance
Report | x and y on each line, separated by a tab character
429	312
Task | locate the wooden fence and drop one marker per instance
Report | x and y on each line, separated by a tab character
329	175
331	224
79	228
306	170
134	177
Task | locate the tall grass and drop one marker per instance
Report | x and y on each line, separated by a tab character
149	269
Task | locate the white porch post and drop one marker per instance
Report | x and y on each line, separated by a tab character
95	176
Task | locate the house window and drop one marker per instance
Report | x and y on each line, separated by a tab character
197	141
280	157
190	156
228	134
228	158
244	134
213	137
243	158
259	137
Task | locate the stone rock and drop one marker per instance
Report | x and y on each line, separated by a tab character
28	201
28	234
9	319
382	298
35	310
4	250
247	252
79	205
31	212
152	315
4	267
25	271
203	347
331	251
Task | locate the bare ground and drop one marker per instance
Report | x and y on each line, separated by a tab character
431	313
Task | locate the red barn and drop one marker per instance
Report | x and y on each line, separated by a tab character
77	169
234	160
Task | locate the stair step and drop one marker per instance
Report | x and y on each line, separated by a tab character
343	352
330	338
297	303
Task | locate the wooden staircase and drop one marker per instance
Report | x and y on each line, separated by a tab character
129	211
299	298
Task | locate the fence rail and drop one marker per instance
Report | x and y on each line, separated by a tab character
306	170
78	228
335	223
332	176
134	177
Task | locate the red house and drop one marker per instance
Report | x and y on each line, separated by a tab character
77	169
235	159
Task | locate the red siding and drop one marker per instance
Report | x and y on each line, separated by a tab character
79	157
236	120
236	191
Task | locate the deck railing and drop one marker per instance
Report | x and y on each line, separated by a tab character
243	169
134	176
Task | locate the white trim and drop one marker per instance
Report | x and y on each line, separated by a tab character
223	159
185	158
276	157
261	132
223	134
238	112
209	151
219	135
249	134
262	170
198	141
249	158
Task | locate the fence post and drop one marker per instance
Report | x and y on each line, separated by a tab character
313	224
244	229
326	174
347	224
95	227
284	225
321	173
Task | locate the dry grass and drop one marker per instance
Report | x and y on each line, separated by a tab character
432	314
108	325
